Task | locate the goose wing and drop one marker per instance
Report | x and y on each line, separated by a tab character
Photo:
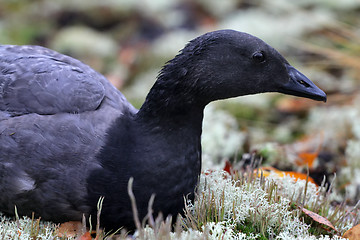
34	79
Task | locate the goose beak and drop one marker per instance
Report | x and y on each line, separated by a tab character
299	85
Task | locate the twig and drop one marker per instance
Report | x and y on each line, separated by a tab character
133	204
150	211
99	207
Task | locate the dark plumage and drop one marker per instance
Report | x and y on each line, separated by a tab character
67	136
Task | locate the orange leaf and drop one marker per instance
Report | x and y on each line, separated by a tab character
267	170
306	150
318	218
353	233
306	158
301	176
85	236
69	229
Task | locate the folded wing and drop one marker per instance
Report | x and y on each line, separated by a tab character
34	79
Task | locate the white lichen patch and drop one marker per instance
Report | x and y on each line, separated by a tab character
221	136
25	228
346	135
243	202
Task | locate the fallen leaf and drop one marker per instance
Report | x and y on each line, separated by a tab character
306	158
302	176
353	233
305	151
70	229
228	167
85	236
318	218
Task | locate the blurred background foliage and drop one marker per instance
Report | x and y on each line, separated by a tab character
128	41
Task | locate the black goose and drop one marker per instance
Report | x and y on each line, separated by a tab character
67	136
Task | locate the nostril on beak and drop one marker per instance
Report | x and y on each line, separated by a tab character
305	84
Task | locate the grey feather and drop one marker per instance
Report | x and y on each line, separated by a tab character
38	80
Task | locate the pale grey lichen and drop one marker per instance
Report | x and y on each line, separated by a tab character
246	202
294	189
250	202
21	229
341	129
221	136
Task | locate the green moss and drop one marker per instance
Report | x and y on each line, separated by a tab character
248	228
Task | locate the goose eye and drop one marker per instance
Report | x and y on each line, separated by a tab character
258	57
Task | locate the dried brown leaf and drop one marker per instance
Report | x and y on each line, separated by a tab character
316	217
353	233
70	229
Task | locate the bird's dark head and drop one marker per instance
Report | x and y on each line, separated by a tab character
225	64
